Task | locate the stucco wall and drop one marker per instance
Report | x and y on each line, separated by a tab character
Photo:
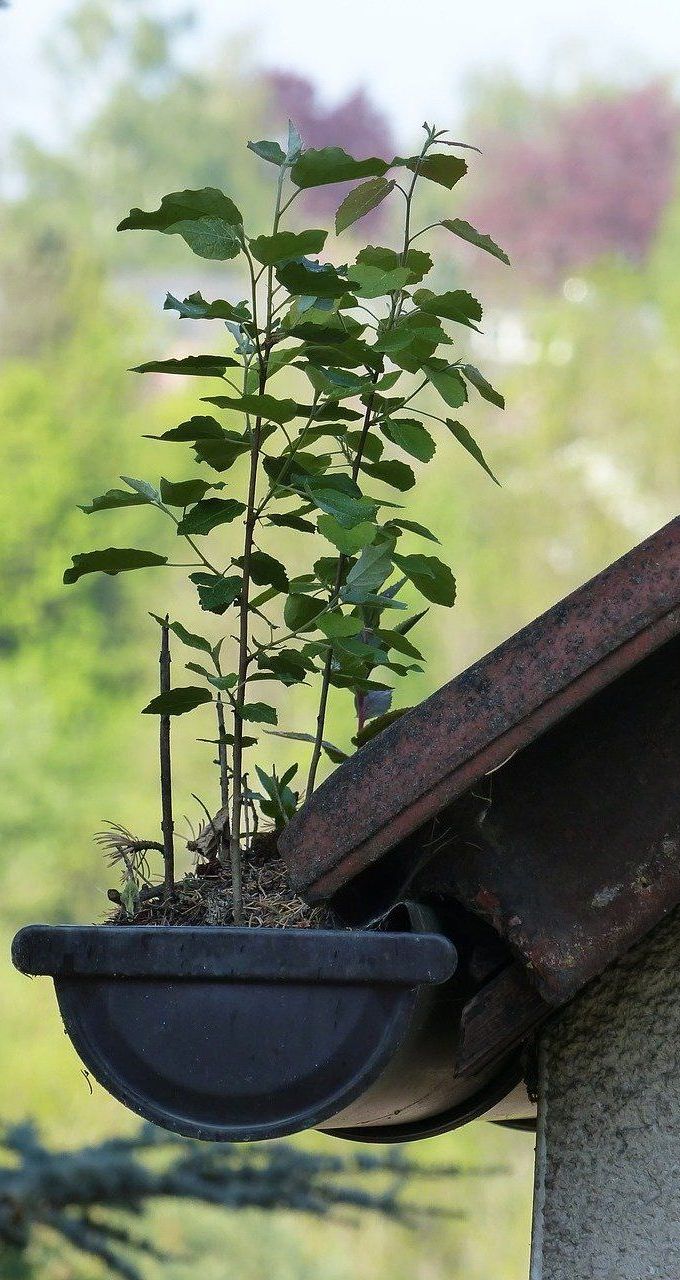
607	1196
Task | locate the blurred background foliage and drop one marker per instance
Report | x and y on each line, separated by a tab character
582	337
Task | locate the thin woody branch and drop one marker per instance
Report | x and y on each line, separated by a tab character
167	824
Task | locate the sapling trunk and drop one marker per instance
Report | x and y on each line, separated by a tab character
224	776
235	841
263	350
167	825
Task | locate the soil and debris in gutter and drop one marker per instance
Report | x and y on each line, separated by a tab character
203	897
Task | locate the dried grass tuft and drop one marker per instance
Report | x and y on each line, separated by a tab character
205	899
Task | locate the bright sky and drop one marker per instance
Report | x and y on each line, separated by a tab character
416	58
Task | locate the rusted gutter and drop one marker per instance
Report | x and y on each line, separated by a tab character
571	851
582	852
471	725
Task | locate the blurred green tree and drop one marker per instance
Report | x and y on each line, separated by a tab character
140	118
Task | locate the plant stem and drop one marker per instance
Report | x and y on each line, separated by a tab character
224	775
167	825
422	231
320	721
244	613
409	195
263	350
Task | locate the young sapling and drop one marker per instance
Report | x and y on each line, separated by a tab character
362	349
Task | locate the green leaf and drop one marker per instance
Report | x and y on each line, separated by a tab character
326	569
288	666
444	169
303	584
294	147
417	262
411	436
412	340
348	541
432	578
200	427
468	442
286	244
351	353
342	330
129	893
143	488
352	652
409	623
334	753
373	282
310	280
318	168
223	683
463	229
258	406
384	405
265	571
195	307
346	509
111	560
411	526
371	445
269	151
208	514
396	474
374	727
287	471
258	713
188	638
292	522
215	593
486	391
457	305
176	702
360	201
190	366
346	680
299	612
181	206
388	380
343	352
263	597
337	624
114	498
283	800
376	256
221	454
336	383
378	725
207	220
329	412
212	238
448	382
228	740
180	493
370	571
395	640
